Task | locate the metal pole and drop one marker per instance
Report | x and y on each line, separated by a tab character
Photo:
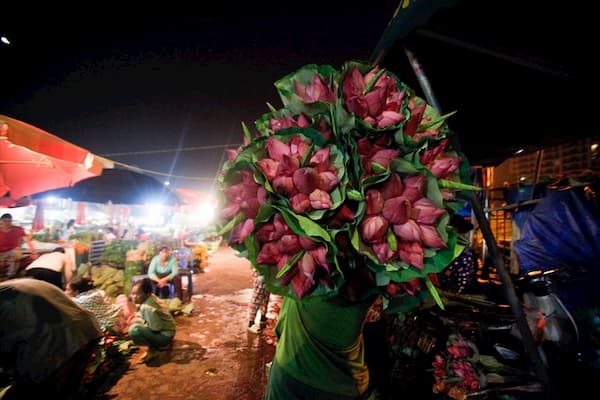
484	225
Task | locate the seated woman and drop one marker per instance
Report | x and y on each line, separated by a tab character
163	271
111	316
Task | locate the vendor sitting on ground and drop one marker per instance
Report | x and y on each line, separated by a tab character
163	271
152	325
111	316
52	267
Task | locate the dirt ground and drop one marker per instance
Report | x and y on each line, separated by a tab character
214	356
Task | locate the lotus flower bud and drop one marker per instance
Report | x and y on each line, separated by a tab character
314	91
383	252
428	212
409	231
320	157
328	181
267	233
306	180
298	148
383	157
320	200
241	231
374	202
415	119
412	253
302	121
230	210
320	256
389	118
289	244
300	203
394	101
431	154
375	101
280	225
358	106
414	187
442	167
353	84
288	165
373	228
250	207
307	264
431	238
269	254
277	149
392	187
269	167
301	284
397	210
284	185
307	243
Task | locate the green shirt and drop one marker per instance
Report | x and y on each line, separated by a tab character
158	270
321	345
157	318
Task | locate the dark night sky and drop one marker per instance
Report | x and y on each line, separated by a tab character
112	80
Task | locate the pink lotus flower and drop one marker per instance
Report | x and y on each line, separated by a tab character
414	187
300	203
289	244
431	154
431	238
284	185
374	201
427	212
320	256
314	91
307	188
409	231
415	119
306	180
383	252
307	243
288	121
393	187
245	197
412	253
380	107
389	118
397	210
373	229
320	200
442	167
269	254
241	231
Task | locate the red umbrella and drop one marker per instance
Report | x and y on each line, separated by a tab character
38	218
33	160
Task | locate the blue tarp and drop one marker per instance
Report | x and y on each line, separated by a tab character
563	230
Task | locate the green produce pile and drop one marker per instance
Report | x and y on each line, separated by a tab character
114	252
108	279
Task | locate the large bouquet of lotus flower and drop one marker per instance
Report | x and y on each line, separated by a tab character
352	179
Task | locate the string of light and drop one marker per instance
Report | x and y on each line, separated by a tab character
195	148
